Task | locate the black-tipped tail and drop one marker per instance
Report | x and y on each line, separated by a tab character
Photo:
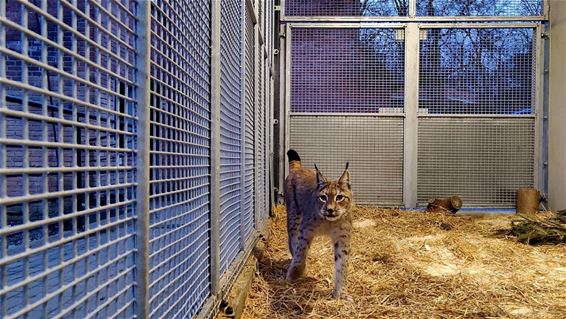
293	155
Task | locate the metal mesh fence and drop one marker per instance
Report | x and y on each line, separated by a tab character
67	159
484	160
230	132
266	158
372	145
480	8
180	158
250	130
261	137
72	137
477	71
347	70
264	183
346	8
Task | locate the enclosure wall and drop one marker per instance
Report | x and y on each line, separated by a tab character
557	107
426	99
134	154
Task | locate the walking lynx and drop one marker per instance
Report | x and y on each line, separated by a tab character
316	205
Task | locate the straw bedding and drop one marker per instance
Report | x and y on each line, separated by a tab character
416	265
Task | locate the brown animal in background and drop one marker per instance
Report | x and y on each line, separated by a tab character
316	205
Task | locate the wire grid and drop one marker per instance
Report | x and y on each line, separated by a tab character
477	71
346	8
230	132
179	245
480	8
249	142
347	70
372	145
67	159
483	160
260	179
260	14
266	162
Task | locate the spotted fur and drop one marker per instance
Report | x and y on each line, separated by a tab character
316	205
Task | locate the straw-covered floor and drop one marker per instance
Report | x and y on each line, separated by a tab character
416	265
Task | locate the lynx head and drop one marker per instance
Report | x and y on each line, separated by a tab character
334	198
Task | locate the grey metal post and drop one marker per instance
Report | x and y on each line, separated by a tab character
286	84
412	8
243	126
143	158
257	53
538	180
277	106
411	109
544	115
215	151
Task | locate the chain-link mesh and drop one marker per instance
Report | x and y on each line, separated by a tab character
347	70
477	71
180	158
480	7
67	159
484	160
346	8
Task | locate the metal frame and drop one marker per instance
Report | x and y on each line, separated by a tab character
539	77
243	124
131	290
539	109
412	48
143	171
71	119
256	121
287	89
215	151
411	17
412	40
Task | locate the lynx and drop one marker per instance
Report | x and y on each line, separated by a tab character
316	205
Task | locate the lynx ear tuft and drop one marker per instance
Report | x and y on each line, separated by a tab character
345	178
320	179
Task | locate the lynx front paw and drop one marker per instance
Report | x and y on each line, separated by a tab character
294	272
337	294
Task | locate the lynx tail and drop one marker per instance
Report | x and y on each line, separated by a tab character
294	159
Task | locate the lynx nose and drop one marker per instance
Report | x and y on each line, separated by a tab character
330	211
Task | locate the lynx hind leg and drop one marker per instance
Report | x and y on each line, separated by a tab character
301	248
293	222
341	238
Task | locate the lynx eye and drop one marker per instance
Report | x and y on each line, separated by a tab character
323	198
340	198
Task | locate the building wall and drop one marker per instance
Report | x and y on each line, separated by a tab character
557	106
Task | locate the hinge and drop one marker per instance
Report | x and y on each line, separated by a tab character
545	35
277	8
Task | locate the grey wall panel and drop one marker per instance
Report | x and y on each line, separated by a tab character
230	131
484	160
372	145
179	274
68	125
249	142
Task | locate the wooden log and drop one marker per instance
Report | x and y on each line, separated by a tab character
528	200
450	205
